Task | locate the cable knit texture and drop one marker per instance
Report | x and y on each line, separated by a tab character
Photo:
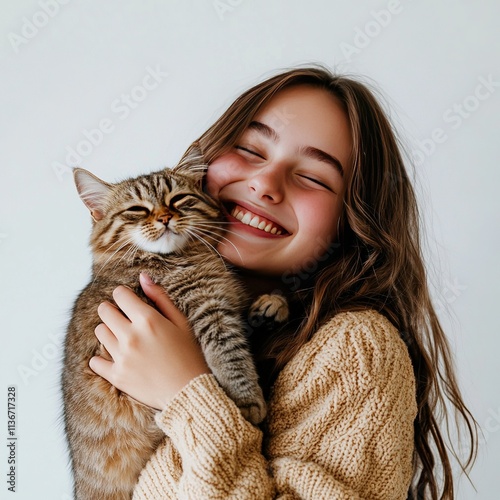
340	426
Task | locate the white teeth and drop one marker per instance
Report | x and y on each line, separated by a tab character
254	221
246	218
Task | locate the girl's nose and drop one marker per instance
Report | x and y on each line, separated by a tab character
267	184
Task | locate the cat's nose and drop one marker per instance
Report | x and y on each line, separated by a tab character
164	218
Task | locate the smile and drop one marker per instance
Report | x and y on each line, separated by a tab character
248	218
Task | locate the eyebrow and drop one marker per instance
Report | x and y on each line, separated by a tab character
309	151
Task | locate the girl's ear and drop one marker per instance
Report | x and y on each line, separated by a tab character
92	190
193	165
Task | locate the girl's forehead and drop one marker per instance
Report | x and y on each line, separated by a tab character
308	116
300	95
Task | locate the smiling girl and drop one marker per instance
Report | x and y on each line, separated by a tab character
319	206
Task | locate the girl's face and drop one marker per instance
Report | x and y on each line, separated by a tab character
282	183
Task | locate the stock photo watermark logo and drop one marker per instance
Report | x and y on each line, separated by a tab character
363	36
491	426
454	117
41	358
120	107
294	278
31	27
222	7
281	118
448	294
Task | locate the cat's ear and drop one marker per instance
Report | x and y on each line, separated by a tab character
192	165
92	190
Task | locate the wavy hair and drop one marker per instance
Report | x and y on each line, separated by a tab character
378	264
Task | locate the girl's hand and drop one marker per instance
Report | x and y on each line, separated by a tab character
154	352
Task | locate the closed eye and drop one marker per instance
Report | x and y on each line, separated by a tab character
254	153
176	199
138	208
182	201
316	181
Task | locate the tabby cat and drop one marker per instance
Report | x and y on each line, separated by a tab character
164	224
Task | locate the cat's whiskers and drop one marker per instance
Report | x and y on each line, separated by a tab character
215	225
196	222
195	218
217	237
129	254
221	237
126	242
192	233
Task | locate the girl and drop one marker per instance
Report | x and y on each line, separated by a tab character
320	207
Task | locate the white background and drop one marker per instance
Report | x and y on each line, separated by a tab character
66	75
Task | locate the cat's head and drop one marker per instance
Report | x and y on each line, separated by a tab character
160	212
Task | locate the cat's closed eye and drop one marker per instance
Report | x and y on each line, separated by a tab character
138	208
182	199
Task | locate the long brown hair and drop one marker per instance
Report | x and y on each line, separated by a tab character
378	264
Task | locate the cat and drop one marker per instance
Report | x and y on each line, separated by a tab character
166	225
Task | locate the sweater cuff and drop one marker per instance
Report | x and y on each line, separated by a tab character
200	414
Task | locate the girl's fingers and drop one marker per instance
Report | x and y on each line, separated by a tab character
162	301
131	305
107	338
113	317
102	367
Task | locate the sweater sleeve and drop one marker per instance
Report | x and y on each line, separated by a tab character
340	426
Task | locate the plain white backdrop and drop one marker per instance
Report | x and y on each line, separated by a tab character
152	76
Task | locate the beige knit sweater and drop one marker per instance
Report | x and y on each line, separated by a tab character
340	426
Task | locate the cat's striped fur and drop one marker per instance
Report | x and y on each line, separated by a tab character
163	224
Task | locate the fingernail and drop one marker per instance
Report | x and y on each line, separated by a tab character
146	279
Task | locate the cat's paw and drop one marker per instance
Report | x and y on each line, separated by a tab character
268	309
254	412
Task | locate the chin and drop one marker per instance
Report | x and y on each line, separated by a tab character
168	243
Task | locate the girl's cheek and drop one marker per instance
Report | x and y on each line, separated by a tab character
322	228
211	185
224	170
215	178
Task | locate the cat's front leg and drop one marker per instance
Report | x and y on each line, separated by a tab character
269	310
228	356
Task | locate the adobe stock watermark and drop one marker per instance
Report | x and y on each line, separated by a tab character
31	27
294	278
223	7
280	118
491	426
448	294
41	358
121	107
454	117
363	36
